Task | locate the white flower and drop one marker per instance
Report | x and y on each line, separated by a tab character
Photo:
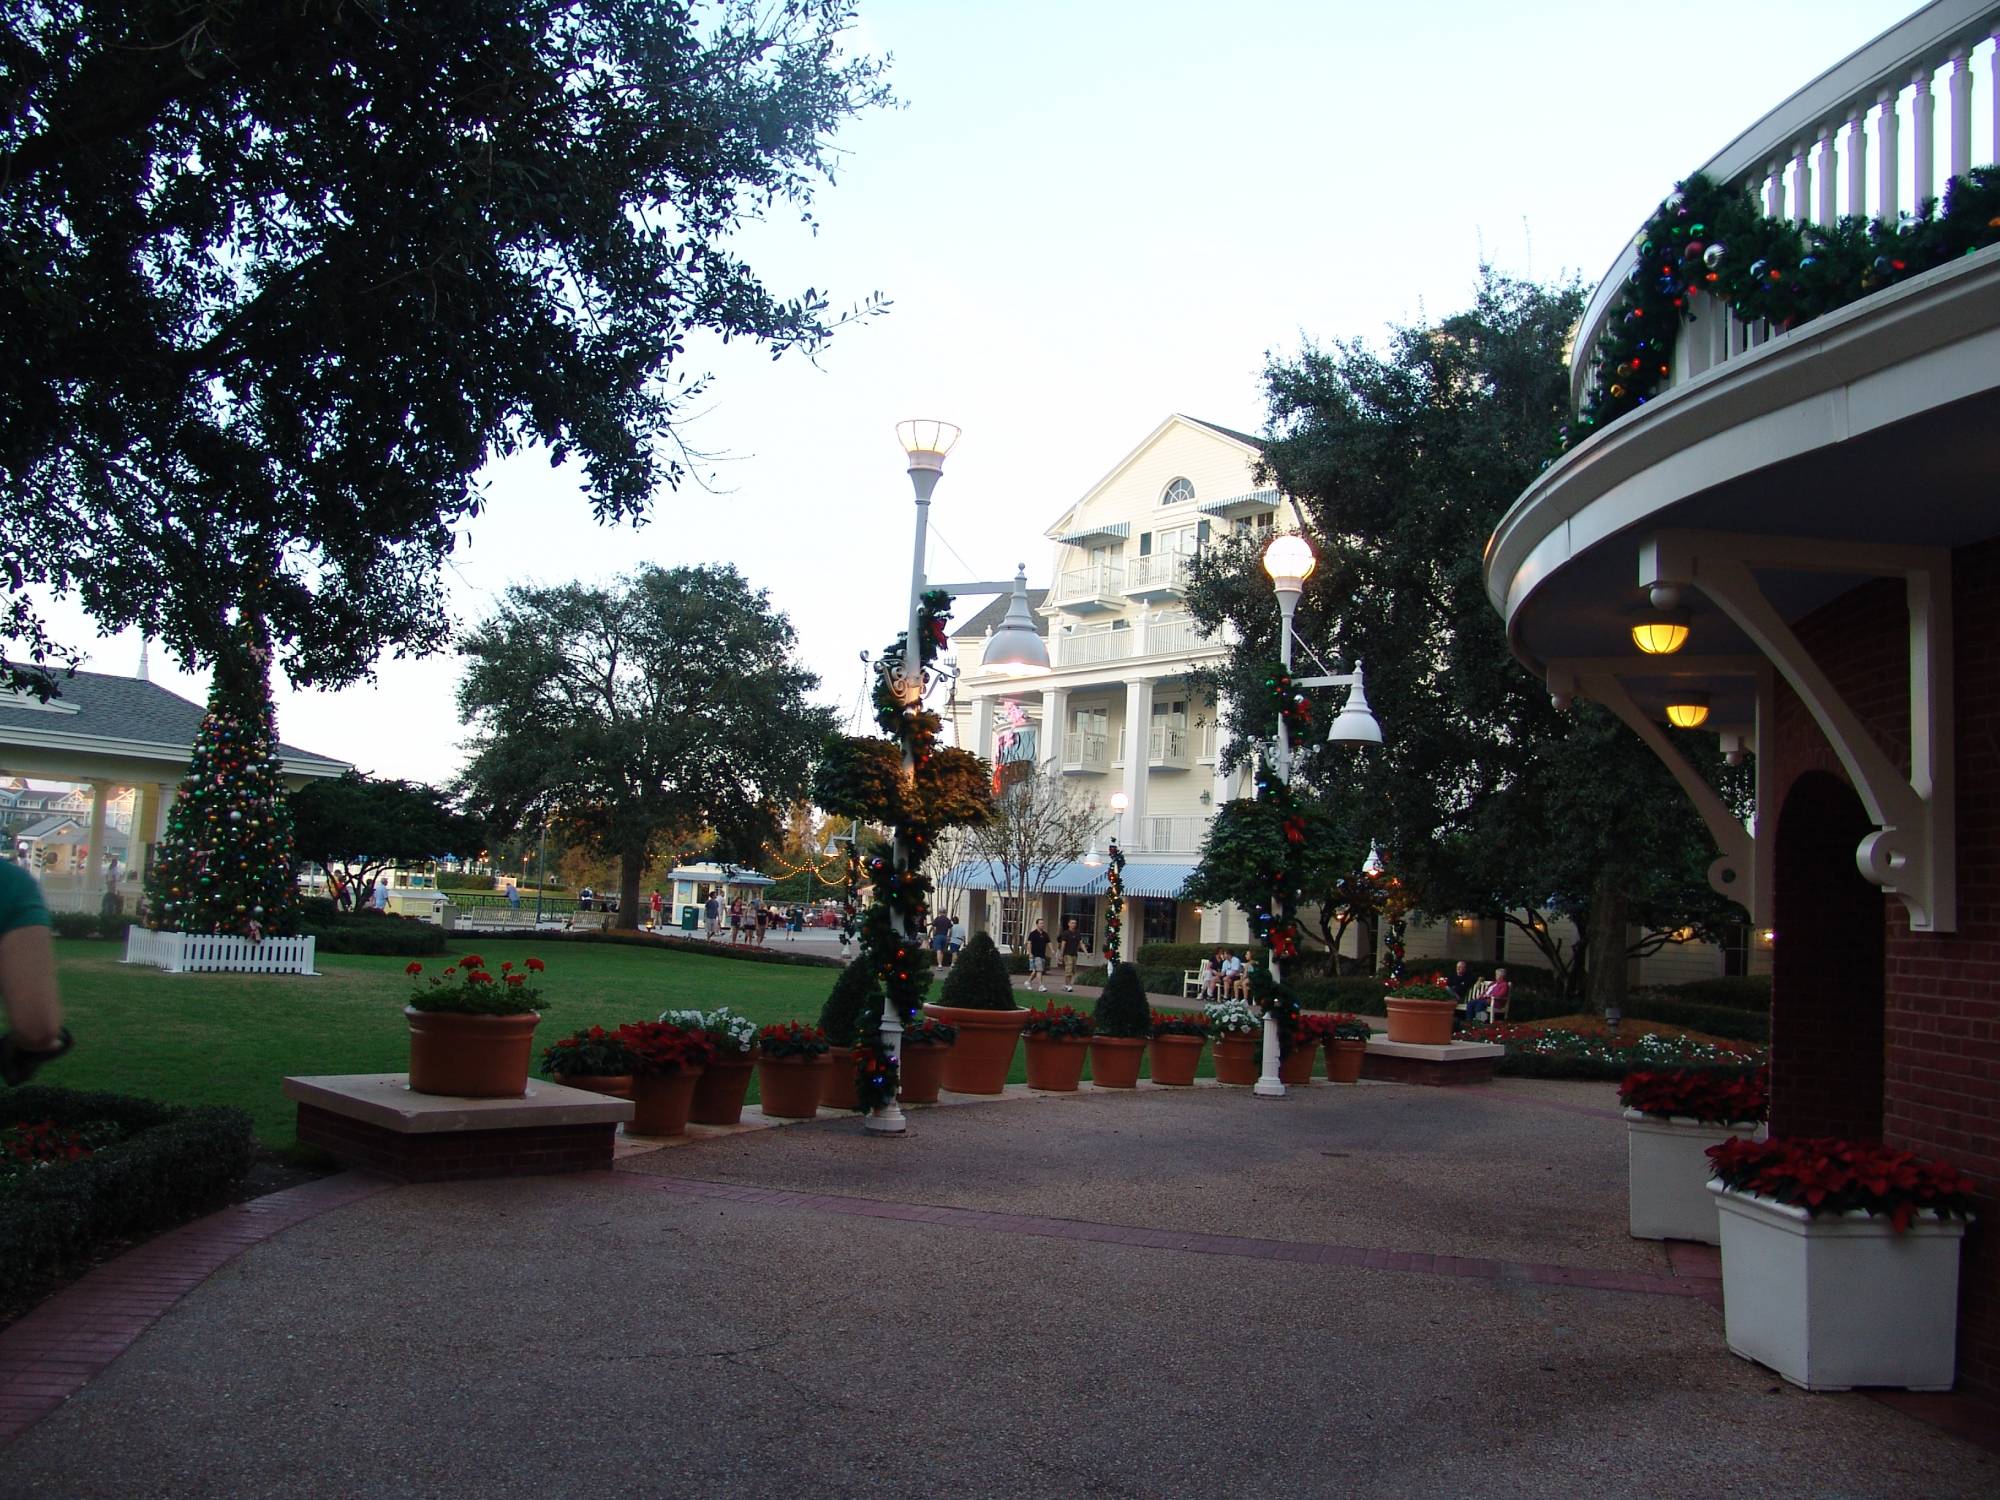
1231	1017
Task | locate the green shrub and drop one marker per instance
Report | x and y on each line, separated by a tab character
1360	993
172	1164
447	882
1716	1020
1122	1010
115	924
977	979
74	924
853	992
1740	992
1174	955
395	937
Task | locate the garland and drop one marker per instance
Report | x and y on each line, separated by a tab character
1286	701
1114	919
1710	246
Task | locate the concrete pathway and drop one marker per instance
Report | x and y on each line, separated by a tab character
1355	1291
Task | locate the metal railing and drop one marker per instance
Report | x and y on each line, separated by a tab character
1822	155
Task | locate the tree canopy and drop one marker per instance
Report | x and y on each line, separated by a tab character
1486	799
640	715
354	827
280	280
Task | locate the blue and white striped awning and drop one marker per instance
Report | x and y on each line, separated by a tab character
1241	505
1158	882
1119	529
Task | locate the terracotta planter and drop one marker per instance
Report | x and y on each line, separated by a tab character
617	1085
1114	1061
1427	1022
1056	1063
1238	1059
660	1102
718	1093
1295	1068
979	1064
789	1087
470	1057
836	1084
923	1073
1175	1058
1343	1061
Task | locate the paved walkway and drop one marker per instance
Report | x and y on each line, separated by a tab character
1368	1291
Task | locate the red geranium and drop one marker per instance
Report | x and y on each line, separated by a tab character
1058	1023
791	1039
535	966
1179	1023
1705	1094
1827	1176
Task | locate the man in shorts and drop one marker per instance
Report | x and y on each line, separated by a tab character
1038	957
1070	943
711	914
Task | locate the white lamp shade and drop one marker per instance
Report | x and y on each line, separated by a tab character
1289	560
1016	648
926	441
1119	802
1355	724
1092	858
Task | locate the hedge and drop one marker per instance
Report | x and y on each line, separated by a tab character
1716	1020
175	1163
1742	992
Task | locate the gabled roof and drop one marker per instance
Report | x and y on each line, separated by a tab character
1229	432
988	619
1063	523
98	707
47	826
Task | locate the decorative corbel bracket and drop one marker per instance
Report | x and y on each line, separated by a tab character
1741	870
1913	852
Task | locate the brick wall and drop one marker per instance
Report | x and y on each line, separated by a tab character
1941	1009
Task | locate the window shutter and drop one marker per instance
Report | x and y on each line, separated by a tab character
1145	544
1201	534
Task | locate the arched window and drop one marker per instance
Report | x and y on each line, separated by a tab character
1176	491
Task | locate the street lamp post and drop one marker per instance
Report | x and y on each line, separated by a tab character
1290	562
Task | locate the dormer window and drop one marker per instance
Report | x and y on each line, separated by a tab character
1176	491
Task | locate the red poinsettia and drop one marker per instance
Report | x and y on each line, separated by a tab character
1823	1175
791	1039
1058	1023
1179	1023
1705	1094
661	1047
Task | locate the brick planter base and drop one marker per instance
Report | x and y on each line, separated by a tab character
1437	1066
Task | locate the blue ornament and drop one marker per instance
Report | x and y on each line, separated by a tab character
1757	269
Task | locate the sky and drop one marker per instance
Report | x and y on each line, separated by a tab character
1088	216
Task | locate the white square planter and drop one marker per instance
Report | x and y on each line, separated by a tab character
1839	1301
1668	1171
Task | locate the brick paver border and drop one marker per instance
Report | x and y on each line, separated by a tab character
1691	1274
52	1352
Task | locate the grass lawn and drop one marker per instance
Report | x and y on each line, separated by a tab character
232	1038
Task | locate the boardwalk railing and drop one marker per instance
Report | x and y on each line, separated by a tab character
204	953
1836	149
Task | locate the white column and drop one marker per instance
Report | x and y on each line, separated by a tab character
1138	724
1801	182
1055	726
98	796
1923	115
1829	175
1857	163
1224	785
982	728
1886	128
1961	113
1774	190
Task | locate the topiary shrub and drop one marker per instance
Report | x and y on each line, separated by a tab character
74	924
852	993
978	980
1122	1009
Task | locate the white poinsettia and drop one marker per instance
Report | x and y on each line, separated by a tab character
729	1031
1231	1018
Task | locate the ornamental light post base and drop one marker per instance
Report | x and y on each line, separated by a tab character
888	1119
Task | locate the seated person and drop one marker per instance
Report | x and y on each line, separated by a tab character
1235	978
1209	976
1496	995
1460	984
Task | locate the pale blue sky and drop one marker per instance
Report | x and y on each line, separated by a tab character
1089	216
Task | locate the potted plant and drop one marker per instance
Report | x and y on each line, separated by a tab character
718	1093
1672	1117
791	1060
666	1062
978	998
839	1018
1295	1063
1238	1036
1346	1044
1421	1011
592	1059
472	1031
926	1045
1840	1260
1177	1038
1123	1020
1057	1039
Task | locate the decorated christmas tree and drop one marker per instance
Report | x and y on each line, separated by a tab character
225	865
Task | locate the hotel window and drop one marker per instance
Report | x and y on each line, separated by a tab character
1177	490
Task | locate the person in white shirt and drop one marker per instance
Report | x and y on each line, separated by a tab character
1235	979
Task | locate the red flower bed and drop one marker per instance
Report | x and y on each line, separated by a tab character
658	1047
1827	1176
1179	1023
1058	1023
791	1039
1698	1094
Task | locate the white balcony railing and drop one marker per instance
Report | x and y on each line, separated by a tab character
1086	750
1161	574
1172	835
1835	149
1173	636
1084	648
1204	748
1103	583
1167	747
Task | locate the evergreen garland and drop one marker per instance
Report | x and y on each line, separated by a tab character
1711	249
1114	920
225	865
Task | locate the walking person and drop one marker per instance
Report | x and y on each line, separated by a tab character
382	894
1038	957
513	899
1070	944
711	914
658	905
941	941
36	1033
736	932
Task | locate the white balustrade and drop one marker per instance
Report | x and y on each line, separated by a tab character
1156	574
1172	636
1167	745
1173	835
1083	648
1807	138
1105	581
1086	750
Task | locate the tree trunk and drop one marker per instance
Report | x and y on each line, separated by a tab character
1606	947
631	869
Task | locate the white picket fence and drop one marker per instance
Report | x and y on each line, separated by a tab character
202	952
